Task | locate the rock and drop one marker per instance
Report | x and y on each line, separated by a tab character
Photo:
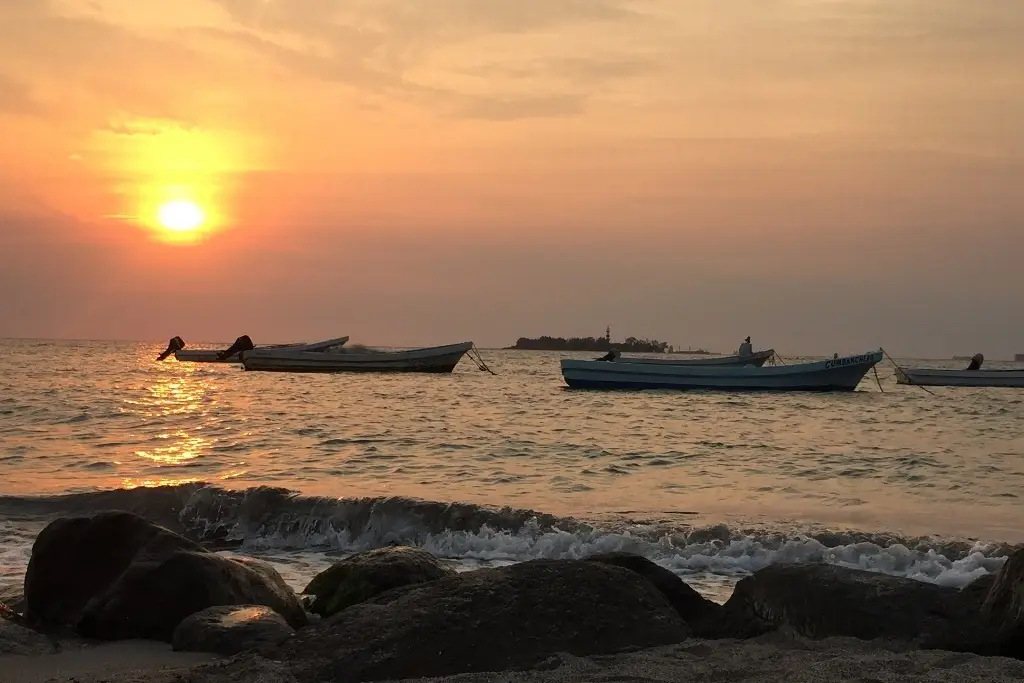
151	598
13	598
976	591
1003	607
822	601
231	629
77	558
487	620
702	615
18	640
247	668
362	576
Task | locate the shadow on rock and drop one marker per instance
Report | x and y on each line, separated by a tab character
360	577
822	601
117	576
230	630
487	620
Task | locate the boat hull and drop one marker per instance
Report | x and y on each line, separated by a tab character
211	355
757	359
841	374
926	377
439	359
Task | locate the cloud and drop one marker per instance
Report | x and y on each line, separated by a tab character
496	109
16	98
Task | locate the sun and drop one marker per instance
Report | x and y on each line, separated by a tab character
180	216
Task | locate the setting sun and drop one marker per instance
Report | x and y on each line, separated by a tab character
180	216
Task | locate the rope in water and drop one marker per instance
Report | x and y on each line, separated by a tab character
900	370
479	360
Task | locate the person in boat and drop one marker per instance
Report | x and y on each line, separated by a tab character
243	343
610	356
176	344
976	362
746	349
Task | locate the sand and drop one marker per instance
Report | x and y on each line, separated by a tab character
126	661
777	657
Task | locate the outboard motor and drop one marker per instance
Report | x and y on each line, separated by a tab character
976	362
610	356
176	344
241	344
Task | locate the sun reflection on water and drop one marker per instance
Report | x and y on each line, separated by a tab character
181	450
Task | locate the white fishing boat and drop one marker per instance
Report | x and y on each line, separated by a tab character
757	358
214	355
931	377
358	359
834	374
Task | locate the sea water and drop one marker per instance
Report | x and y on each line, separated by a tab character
485	470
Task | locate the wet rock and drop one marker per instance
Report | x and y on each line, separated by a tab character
232	629
976	591
75	559
247	668
1003	608
821	601
13	599
18	640
702	615
151	598
362	576
487	620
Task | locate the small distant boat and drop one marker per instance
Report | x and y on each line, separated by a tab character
757	358
214	356
834	374
436	359
928	377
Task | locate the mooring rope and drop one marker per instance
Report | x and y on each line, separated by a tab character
479	360
900	370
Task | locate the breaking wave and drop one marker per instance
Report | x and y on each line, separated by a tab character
268	519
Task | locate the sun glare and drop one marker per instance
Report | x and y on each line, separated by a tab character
180	216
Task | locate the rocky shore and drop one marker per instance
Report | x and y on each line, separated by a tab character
114	597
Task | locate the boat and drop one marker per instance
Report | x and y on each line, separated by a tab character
933	377
214	356
834	374
757	358
359	359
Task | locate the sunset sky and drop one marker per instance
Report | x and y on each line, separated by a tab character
824	175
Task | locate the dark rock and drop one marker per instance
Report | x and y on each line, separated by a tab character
76	558
362	576
18	640
231	629
13	598
1003	608
487	620
976	591
702	615
151	598
821	601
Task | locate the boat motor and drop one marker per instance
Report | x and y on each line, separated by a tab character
610	356
176	344
241	344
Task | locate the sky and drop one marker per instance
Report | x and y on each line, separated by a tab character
823	175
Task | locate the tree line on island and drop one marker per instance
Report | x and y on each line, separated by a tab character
633	344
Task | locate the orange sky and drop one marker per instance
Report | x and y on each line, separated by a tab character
822	174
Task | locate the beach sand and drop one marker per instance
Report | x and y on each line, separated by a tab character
777	657
127	661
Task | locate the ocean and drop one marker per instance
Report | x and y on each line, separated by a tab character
488	470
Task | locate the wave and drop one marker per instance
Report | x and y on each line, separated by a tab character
278	519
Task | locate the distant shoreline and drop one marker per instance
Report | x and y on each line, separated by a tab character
596	344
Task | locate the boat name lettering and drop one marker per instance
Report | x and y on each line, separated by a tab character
849	360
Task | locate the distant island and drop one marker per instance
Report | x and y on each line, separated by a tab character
590	344
604	343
